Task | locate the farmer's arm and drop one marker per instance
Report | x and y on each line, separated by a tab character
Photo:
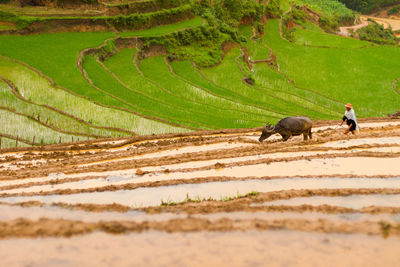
343	119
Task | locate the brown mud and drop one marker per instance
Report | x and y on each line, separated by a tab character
147	159
154	248
66	158
62	228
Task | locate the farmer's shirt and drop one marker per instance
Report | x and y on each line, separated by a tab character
351	116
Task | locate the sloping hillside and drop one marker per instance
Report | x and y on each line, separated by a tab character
92	70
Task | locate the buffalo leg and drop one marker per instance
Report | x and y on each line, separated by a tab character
310	134
305	136
286	137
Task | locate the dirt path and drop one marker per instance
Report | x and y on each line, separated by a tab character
386	22
346	31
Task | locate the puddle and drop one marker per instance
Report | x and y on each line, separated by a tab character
143	197
81	184
311	216
8	213
21	164
328	166
353	201
249	248
193	149
177	151
111	142
133	145
363	141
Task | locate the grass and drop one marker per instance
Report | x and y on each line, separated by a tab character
38	90
198	199
238	196
361	76
164	29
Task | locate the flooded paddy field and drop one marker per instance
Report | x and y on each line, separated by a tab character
216	197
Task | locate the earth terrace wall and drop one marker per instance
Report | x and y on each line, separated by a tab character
105	23
142	6
57	3
147	46
125	8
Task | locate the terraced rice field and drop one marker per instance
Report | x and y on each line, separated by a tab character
190	197
113	149
62	82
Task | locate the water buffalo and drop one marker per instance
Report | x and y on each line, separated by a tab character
288	127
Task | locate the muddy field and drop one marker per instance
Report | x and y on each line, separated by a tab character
216	198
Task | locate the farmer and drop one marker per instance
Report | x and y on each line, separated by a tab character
350	118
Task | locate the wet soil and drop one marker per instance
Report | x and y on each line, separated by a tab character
220	183
154	248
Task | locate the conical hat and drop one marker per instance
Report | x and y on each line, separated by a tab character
348	105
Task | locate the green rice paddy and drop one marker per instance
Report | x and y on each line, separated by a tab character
126	94
363	77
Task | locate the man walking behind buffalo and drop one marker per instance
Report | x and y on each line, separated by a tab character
350	118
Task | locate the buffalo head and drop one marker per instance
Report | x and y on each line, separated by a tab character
267	131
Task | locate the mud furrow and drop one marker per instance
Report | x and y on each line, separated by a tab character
62	228
106	158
